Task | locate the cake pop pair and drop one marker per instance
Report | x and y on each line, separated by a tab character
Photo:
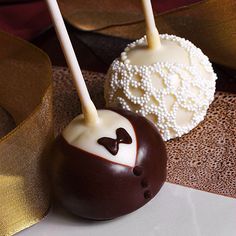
111	162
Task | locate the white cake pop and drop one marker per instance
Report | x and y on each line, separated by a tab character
172	82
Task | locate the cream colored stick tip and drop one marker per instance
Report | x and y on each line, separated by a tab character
153	38
89	110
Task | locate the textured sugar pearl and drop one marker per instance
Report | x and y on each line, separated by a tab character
185	90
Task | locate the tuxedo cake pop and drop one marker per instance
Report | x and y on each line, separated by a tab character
106	163
111	169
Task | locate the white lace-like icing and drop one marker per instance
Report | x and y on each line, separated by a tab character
132	88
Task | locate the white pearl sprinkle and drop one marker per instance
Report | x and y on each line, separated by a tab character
122	76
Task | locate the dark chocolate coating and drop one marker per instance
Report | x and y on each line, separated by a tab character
95	188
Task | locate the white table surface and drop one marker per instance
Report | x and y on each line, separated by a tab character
175	211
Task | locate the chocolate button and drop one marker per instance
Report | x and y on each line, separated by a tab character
138	170
147	194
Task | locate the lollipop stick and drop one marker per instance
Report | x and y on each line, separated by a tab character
153	38
88	108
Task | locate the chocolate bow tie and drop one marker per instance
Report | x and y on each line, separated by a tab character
112	145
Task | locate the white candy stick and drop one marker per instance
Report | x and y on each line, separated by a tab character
153	38
88	108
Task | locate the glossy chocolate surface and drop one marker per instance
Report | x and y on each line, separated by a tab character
112	145
95	188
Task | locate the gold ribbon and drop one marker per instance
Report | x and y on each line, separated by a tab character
26	93
210	24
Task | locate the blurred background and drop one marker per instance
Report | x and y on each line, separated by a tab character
99	30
